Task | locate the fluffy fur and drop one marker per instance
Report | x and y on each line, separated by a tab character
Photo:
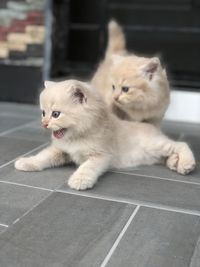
148	92
86	133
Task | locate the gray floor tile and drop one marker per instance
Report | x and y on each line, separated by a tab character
2	229
50	178
161	171
171	134
7	123
16	200
158	239
64	230
195	260
194	143
14	109
181	128
71	230
146	189
32	133
12	148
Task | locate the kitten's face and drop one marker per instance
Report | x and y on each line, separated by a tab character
135	80
129	90
64	107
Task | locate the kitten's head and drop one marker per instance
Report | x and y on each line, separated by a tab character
69	108
137	81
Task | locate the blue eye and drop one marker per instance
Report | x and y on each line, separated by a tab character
125	89
55	114
43	113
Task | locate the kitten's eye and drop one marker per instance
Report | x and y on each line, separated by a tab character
43	113
125	89
113	87
55	114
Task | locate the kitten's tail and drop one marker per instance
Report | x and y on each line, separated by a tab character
116	39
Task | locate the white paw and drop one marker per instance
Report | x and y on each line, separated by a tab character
80	182
186	167
172	162
26	164
182	163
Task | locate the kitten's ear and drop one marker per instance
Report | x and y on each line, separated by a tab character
79	95
48	84
149	69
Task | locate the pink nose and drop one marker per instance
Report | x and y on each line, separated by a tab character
45	125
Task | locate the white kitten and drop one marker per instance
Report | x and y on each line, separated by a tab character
86	133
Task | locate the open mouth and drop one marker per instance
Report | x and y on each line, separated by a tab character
59	133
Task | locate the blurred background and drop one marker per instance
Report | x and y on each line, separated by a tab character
56	39
22	38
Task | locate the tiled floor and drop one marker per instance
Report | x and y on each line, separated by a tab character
142	217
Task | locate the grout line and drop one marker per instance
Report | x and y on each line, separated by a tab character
117	241
4	225
25	185
27	153
156	177
134	202
17	128
36	205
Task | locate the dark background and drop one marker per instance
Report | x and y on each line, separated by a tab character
168	28
76	38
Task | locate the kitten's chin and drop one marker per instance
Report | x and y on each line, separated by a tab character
59	133
117	102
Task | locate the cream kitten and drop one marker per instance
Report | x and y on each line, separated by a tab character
86	133
135	88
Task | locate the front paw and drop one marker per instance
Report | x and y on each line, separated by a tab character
80	182
182	163
186	166
26	164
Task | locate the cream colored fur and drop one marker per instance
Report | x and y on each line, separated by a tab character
97	140
148	95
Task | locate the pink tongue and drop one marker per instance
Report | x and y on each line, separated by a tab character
59	134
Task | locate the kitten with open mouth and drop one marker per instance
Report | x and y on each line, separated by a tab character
59	133
96	140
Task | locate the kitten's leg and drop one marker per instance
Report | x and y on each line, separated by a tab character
88	172
179	156
48	157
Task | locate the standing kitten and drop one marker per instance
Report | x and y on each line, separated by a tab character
86	133
135	88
